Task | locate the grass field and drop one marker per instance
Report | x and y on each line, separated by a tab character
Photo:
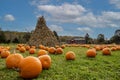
82	68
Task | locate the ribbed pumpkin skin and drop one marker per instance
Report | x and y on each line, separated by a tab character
70	55
106	51
46	61
5	54
13	60
30	67
42	52
91	53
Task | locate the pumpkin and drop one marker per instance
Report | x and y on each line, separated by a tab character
113	48
30	67
70	55
27	47
52	50
22	49
5	53
106	51
42	52
59	50
62	46
41	47
32	50
91	53
13	60
46	61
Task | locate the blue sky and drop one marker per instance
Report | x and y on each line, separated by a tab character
67	17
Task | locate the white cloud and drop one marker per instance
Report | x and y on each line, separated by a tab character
9	17
84	29
56	28
116	3
39	2
77	14
65	10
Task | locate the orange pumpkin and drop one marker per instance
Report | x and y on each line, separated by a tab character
106	51
113	48
42	52
52	50
46	61
30	67
5	53
32	50
70	55
22	49
27	47
62	46
91	53
13	60
59	50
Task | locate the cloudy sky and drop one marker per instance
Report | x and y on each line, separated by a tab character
67	17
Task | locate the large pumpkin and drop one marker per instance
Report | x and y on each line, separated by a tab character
106	51
70	55
30	67
13	60
42	52
91	53
5	53
46	61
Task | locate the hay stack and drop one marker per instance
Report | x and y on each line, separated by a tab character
42	35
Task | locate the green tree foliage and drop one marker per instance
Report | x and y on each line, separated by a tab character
26	37
115	39
15	40
2	36
100	38
55	33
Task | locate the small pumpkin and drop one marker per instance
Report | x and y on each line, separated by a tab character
30	67
52	50
13	60
59	50
70	55
42	52
27	47
91	53
106	51
32	50
22	49
62	46
5	53
46	61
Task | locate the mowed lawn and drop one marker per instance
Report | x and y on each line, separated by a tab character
82	68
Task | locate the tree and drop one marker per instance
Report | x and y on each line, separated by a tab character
2	36
55	33
26	37
15	40
87	38
100	38
115	39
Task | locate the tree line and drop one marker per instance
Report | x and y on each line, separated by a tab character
23	37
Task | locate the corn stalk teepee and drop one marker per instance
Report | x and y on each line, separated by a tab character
42	35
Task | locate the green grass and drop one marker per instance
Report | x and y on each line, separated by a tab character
82	68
